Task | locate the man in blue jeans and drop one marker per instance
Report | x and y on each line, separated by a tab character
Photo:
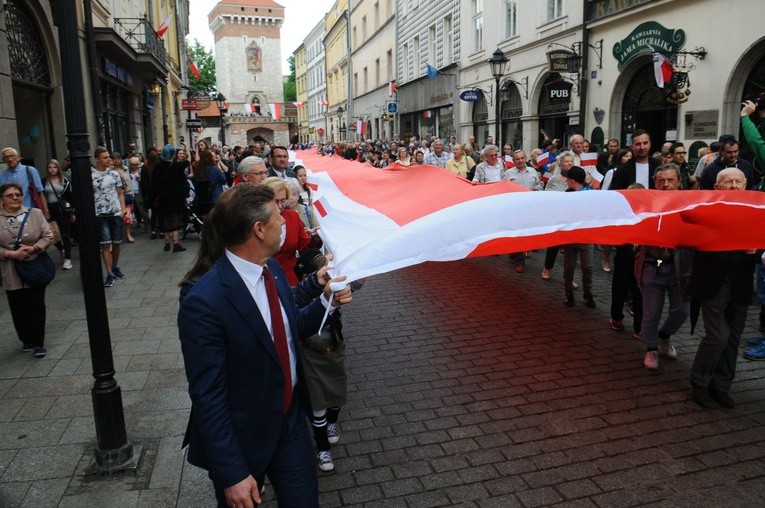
109	197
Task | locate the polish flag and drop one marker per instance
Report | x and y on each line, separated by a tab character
324	102
546	177
249	108
662	69
276	110
542	159
164	26
392	88
195	70
509	164
375	221
427	114
588	159
298	105
361	127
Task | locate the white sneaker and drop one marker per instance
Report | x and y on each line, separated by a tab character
333	433
667	350
325	461
67	264
651	360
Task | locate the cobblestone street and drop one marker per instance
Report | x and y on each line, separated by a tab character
470	385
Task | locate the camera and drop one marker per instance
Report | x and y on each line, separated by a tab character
758	99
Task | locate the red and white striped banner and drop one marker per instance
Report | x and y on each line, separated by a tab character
375	221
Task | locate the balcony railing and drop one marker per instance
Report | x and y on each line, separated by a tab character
258	119
140	35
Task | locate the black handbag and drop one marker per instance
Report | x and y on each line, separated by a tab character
37	272
64	206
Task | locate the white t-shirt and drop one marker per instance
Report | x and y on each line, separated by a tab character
641	173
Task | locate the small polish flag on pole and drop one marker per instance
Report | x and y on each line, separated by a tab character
276	110
509	164
298	105
546	177
543	159
324	102
361	127
662	69
164	26
195	70
588	159
392	88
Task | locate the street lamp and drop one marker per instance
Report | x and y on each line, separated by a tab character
340	112
497	61
223	108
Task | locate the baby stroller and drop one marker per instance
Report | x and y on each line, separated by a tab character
194	222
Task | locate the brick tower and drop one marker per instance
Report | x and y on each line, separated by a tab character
248	68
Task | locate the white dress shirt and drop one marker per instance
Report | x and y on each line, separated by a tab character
252	275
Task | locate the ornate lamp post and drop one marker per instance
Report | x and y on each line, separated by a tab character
340	111
497	62
223	108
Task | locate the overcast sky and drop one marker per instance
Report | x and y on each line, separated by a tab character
299	18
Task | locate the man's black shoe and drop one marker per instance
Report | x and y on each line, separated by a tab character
723	398
702	397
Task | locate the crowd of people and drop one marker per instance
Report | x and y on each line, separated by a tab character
260	250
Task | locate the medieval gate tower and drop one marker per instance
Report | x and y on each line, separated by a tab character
248	69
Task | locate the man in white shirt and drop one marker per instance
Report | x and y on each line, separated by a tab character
239	330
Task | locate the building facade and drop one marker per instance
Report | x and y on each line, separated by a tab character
131	74
373	39
338	62
430	44
715	69
316	74
247	62
301	87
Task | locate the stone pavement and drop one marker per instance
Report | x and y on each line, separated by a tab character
469	385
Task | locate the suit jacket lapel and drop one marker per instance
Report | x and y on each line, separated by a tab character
241	299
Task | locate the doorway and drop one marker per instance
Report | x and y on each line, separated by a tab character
645	107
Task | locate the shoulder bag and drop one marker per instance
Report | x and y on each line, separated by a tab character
37	272
32	189
64	206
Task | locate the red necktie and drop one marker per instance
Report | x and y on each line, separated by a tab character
280	336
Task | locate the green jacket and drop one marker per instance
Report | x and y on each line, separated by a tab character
755	139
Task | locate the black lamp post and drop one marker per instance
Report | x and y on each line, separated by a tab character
497	61
221	101
113	451
340	130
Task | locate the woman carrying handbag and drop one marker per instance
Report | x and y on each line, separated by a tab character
58	195
24	236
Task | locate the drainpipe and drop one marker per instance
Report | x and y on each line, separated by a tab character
95	86
584	77
349	108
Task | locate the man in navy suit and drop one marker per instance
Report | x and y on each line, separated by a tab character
239	329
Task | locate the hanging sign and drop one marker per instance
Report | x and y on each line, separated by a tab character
646	38
473	95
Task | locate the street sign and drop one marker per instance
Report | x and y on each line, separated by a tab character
471	95
193	123
189	104
392	107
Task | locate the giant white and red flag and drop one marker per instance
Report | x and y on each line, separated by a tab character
376	221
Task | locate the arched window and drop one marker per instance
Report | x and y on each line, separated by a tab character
511	109
29	62
480	121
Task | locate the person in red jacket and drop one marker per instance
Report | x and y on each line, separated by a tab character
295	238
